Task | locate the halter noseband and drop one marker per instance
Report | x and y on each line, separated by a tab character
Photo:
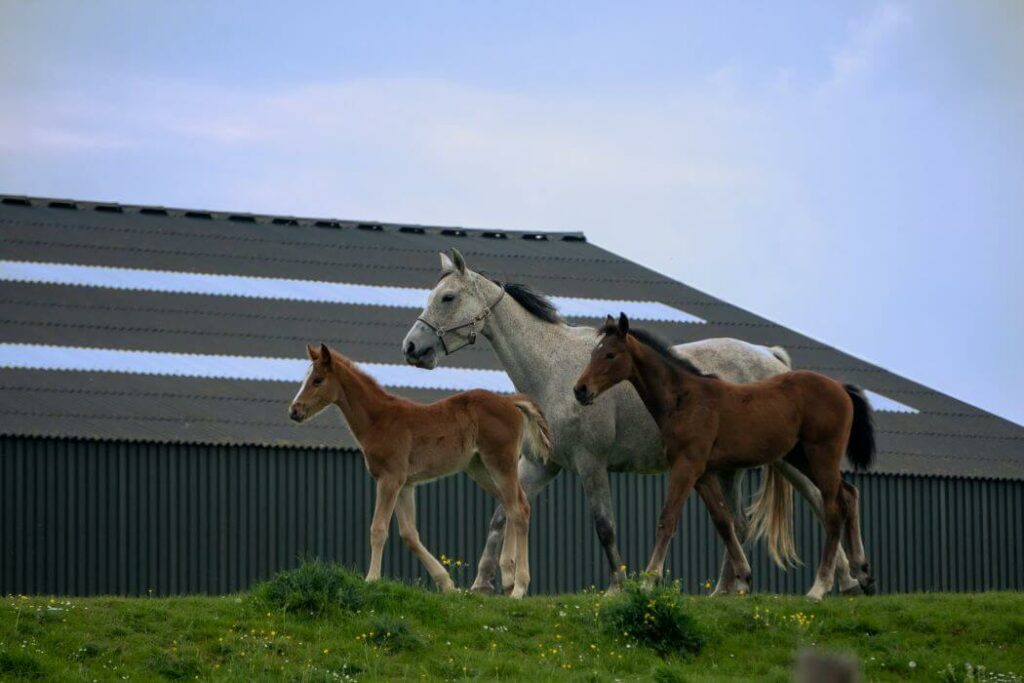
461	339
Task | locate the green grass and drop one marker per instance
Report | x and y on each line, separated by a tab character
320	623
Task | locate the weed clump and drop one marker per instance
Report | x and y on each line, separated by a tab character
392	635
18	665
654	618
313	589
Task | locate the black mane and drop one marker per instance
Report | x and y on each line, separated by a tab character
536	303
660	346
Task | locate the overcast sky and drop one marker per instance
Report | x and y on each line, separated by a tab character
852	170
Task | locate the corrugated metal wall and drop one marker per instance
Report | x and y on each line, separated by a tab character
83	518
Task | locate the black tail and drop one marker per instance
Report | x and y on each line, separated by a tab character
861	448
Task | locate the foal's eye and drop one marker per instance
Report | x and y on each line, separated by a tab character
447	298
609	356
318	381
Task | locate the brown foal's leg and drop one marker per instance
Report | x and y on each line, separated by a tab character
823	469
681	478
387	495
711	493
406	512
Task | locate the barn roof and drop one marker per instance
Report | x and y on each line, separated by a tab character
99	299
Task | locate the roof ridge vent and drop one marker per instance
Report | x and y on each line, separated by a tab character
578	237
454	232
242	218
153	211
494	235
412	230
58	204
535	236
375	227
108	208
201	215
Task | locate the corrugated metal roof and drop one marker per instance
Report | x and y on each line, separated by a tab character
946	436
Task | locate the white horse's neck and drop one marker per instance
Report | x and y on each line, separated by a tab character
531	350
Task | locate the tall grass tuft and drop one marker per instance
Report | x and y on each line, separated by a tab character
654	618
312	589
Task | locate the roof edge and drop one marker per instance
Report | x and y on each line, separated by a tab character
29	201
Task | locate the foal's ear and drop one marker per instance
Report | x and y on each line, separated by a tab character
325	355
623	324
313	354
609	321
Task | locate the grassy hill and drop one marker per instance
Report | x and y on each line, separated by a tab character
320	623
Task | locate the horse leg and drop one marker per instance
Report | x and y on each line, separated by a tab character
533	477
854	541
823	469
682	476
732	484
405	510
387	496
598	490
711	493
848	585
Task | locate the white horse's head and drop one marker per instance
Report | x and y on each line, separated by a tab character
454	315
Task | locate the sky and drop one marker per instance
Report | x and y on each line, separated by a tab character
851	170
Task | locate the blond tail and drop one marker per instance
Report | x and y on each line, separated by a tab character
536	433
771	516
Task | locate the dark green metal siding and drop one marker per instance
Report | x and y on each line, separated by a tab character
87	517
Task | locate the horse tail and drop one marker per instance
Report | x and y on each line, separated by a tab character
782	354
771	517
536	432
860	450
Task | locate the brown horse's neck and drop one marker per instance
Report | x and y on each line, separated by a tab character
664	388
362	400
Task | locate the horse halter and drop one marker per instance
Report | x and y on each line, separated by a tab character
460	337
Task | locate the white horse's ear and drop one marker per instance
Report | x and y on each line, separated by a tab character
447	265
460	263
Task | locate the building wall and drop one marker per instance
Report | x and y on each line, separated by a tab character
87	517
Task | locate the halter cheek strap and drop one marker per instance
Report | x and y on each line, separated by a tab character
460	339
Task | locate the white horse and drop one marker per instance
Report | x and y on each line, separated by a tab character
543	356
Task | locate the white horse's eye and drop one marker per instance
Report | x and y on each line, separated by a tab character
447	298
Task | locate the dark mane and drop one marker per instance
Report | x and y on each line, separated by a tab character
536	303
660	346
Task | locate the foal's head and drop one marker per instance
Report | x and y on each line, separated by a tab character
610	362
321	387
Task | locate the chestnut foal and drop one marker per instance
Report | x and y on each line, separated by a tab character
405	443
707	424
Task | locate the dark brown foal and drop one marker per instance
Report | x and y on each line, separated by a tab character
708	424
406	443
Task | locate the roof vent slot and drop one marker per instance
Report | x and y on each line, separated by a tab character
327	224
238	218
63	205
375	227
413	230
574	238
201	215
153	211
494	235
16	201
108	208
454	233
285	221
535	236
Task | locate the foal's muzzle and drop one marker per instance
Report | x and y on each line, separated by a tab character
296	414
583	394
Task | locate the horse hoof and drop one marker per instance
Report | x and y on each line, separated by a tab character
517	594
507	590
852	591
485	589
446	586
869	586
